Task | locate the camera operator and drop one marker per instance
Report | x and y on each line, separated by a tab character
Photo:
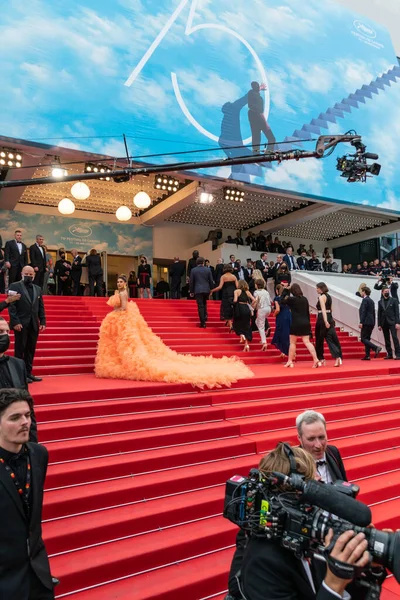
271	572
387	281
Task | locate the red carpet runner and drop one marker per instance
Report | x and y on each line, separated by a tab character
136	477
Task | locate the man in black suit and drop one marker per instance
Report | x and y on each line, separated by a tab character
192	262
263	266
24	564
76	272
311	432
248	270
290	260
201	284
388	282
367	323
13	371
389	322
15	257
27	318
176	272
302	261
37	257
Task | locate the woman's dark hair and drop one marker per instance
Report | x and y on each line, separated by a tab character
279	289
10	395
296	290
93	252
142	257
228	269
323	287
282	268
61	251
122	276
260	284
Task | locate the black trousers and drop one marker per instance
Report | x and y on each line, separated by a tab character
25	345
63	287
37	590
201	300
175	289
39	279
98	279
76	286
366	332
322	333
390	330
258	124
14	274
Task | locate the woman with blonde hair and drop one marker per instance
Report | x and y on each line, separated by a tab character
129	349
242	313
252	283
360	289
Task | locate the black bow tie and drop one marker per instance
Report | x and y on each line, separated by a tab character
321	463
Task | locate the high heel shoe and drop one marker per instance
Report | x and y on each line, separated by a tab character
242	339
338	362
317	364
323	362
246	347
289	364
264	347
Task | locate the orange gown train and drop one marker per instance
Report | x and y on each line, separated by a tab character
128	349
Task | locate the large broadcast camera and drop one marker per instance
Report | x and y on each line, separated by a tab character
355	166
301	517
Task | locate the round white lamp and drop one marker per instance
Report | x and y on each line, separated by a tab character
142	200
123	213
66	206
80	191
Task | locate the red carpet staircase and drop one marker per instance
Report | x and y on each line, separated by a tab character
135	485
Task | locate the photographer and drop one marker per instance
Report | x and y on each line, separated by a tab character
271	572
386	281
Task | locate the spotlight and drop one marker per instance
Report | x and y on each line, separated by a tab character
205	197
233	194
58	172
98	168
168	184
9	158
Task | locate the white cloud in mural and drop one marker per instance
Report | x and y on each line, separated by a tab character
306	175
391	203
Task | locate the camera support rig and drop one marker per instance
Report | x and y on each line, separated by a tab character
355	170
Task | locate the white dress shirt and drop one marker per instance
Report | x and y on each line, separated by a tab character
19	245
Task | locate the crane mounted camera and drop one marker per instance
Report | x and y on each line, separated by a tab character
354	167
300	518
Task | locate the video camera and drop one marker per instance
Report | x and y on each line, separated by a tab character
300	518
355	166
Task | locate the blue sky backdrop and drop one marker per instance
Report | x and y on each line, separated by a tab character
165	72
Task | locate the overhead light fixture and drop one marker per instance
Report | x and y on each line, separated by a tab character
99	168
9	158
80	191
206	198
66	206
167	184
123	213
233	194
142	200
58	172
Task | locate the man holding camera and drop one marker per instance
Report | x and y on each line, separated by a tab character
387	281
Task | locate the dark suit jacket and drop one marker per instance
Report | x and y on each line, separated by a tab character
76	268
17	531
60	270
260	266
302	263
390	315
37	258
248	274
3	305
26	311
218	272
367	312
12	255
176	271
93	264
394	287
201	281
335	463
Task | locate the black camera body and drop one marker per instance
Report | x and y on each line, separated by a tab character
354	167
300	516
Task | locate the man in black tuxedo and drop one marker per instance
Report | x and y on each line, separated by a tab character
15	257
290	260
37	257
13	371
248	270
24	564
201	284
367	323
263	266
389	322
76	272
192	262
176	272
311	432
27	318
302	261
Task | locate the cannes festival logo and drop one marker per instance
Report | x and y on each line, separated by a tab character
364	29
81	231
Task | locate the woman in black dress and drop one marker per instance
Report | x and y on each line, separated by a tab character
144	277
293	297
283	275
242	314
228	284
325	327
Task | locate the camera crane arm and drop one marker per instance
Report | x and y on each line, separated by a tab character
324	143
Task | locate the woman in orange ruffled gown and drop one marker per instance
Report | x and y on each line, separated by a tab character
128	349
